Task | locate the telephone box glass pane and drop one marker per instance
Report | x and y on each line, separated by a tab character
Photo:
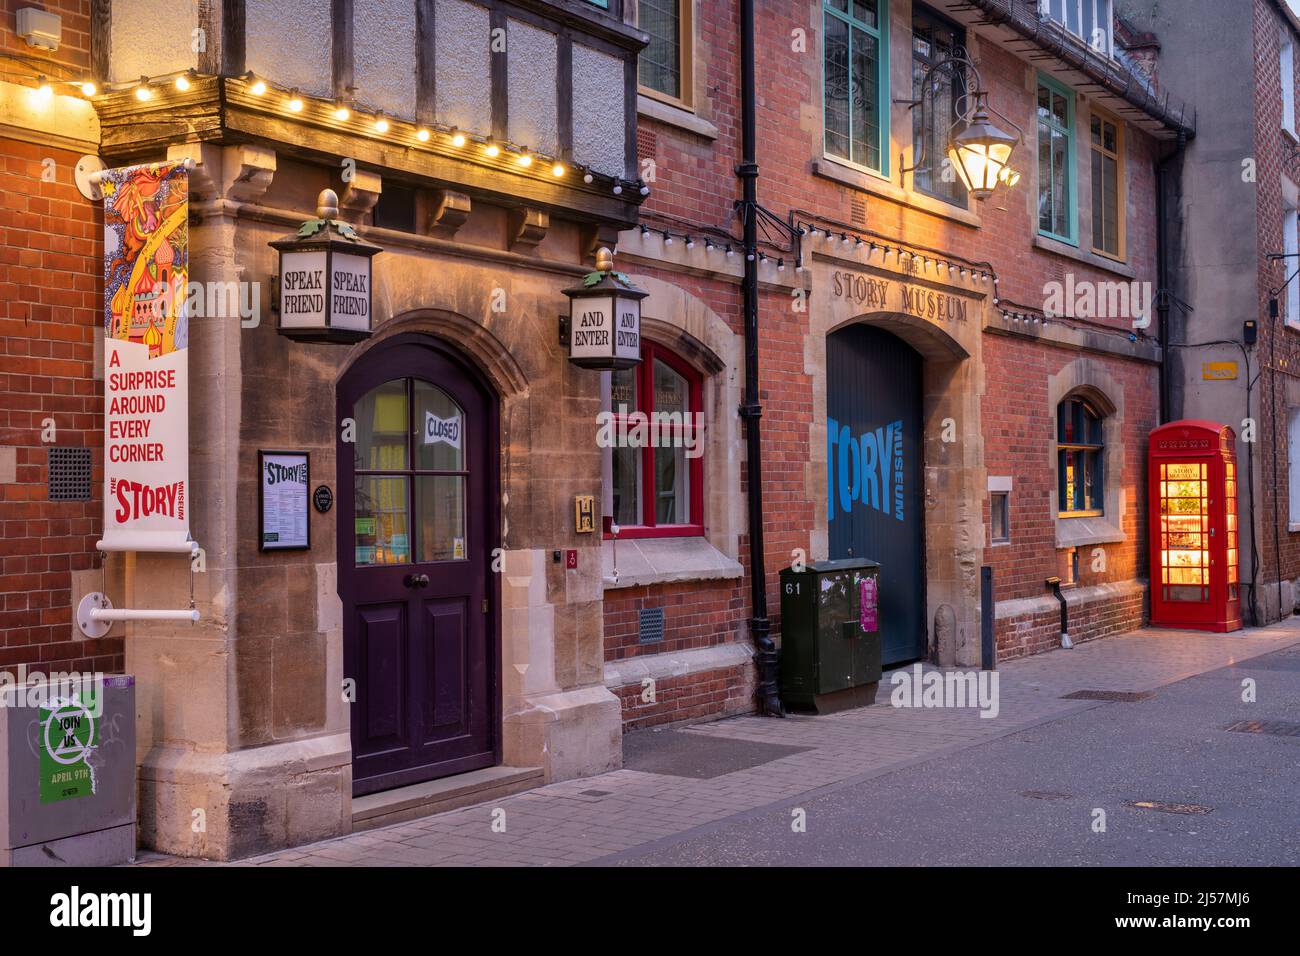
1184	532
1230	519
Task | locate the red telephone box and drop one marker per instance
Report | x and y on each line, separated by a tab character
1192	468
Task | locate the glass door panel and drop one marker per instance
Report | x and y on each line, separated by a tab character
410	475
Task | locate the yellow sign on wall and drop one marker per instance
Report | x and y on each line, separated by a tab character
584	513
1218	371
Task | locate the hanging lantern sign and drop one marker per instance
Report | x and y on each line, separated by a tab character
981	151
325	284
603	330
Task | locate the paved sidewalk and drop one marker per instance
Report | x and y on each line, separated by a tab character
580	821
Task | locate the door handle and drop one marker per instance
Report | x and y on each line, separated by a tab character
416	580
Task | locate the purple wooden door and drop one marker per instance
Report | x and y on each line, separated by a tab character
417	524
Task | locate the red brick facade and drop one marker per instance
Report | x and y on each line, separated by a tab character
1278	348
693	188
50	262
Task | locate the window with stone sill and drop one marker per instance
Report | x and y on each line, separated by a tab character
855	82
1057	211
658	491
1291	251
1107	161
933	39
664	66
1081	489
1286	69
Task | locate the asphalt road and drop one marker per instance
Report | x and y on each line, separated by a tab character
1029	798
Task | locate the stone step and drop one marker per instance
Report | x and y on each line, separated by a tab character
438	796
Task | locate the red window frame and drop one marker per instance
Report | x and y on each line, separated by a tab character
644	384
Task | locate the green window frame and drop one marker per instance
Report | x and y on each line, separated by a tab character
855	83
1058	208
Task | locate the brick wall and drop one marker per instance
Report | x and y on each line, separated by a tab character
1278	350
1115	611
50	261
70	61
705	695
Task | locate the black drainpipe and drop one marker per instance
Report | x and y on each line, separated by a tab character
1162	272
759	626
1054	585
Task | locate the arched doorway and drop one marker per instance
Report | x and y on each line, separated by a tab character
874	474
418	521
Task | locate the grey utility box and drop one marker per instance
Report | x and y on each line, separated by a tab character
67	773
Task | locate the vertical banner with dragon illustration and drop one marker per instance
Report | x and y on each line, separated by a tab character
146	338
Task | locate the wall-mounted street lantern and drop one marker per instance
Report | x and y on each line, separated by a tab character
603	328
980	152
324	291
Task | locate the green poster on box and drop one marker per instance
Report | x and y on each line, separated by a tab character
68	735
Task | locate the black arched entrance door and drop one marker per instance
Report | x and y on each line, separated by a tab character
873	463
417	525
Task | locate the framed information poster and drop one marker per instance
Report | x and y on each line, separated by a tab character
282	500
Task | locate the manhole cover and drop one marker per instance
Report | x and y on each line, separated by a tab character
1169	807
1044	795
1275	728
1124	696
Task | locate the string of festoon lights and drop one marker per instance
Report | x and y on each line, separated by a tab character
371	122
870	243
724	247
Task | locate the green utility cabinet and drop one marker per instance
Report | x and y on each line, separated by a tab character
830	635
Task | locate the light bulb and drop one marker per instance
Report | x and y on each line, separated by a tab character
88	88
44	92
342	113
381	124
557	169
493	150
525	160
422	135
182	83
295	102
258	87
458	139
142	91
